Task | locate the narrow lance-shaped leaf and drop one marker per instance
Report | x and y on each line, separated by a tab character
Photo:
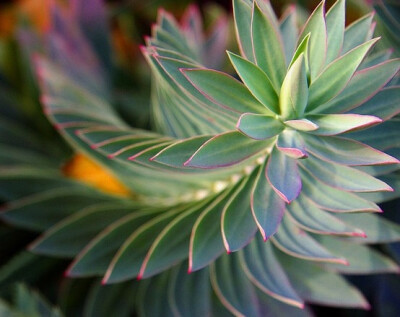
226	149
362	86
237	224
346	151
282	173
336	76
290	143
335	24
242	16
259	126
313	219
294	92
256	81
343	177
264	270
333	124
302	48
267	45
357	32
223	90
317	50
294	241
289	32
267	207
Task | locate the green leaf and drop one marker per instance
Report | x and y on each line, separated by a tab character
179	152
223	90
189	295
237	224
373	226
333	199
345	151
335	24
259	126
171	245
266	205
267	43
314	289
95	258
256	81
383	105
302	48
362	86
357	32
283	175
301	125
263	269
336	76
294	92
153	299
225	149
206	242
83	226
362	259
291	144
40	211
333	124
343	177
297	243
317	44
242	12
127	261
311	218
289	32
232	287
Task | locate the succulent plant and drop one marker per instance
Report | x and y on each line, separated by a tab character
226	158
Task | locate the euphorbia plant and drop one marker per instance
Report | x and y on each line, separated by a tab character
277	151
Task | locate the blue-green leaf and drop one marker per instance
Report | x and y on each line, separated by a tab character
242	16
282	173
335	24
256	81
357	32
290	143
259	126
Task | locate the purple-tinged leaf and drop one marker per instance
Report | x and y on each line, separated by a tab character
283	175
223	90
259	126
362	86
237	224
335	24
226	149
313	219
267	43
343	177
289	32
383	105
294	241
301	125
236	294
315	290
267	207
216	43
179	152
318	40
290	143
206	242
346	151
242	12
373	226
333	199
264	270
336	76
362	259
294	91
333	124
357	32
256	81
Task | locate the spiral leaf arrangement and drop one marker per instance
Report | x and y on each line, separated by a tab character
280	149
